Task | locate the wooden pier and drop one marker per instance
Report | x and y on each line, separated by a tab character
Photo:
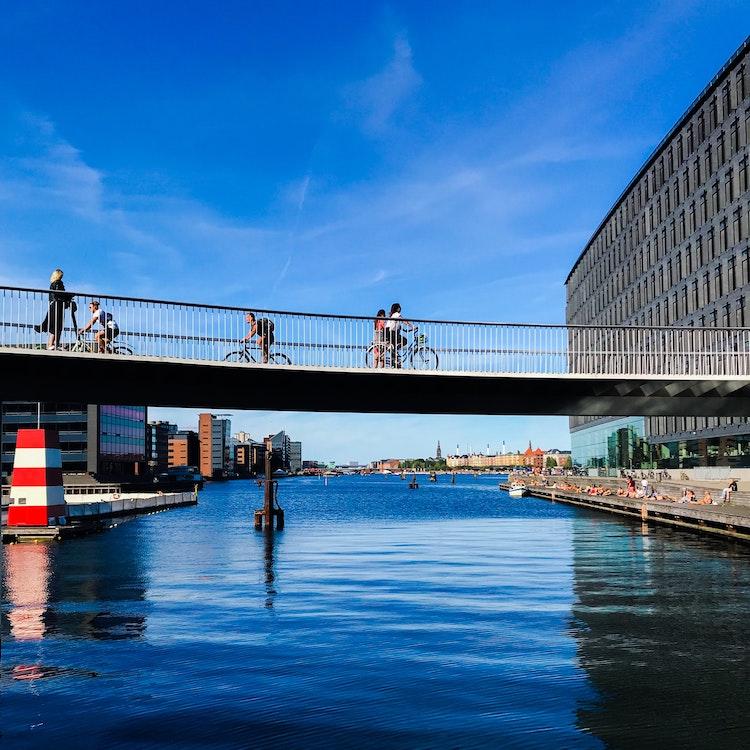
726	520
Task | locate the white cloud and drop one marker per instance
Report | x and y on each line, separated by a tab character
378	98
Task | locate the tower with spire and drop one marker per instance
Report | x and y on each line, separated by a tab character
438	452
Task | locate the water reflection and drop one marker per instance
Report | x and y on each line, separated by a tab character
662	621
27	580
269	565
90	588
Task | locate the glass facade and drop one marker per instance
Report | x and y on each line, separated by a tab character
70	420
107	441
625	444
618	443
122	439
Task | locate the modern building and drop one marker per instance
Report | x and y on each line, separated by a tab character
673	251
214	435
107	442
280	445
157	445
183	449
295	456
249	458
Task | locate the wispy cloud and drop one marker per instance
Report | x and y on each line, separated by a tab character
378	98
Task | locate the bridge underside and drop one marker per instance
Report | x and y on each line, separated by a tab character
43	376
105	379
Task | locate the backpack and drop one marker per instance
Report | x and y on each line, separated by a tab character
264	326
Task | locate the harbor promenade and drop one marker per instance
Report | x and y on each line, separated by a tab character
728	520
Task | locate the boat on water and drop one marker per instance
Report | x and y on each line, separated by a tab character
518	490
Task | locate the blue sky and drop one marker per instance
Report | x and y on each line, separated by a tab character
337	156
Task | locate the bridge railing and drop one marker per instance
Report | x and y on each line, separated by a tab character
211	333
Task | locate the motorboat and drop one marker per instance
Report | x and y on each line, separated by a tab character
518	490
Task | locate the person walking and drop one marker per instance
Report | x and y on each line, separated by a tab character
53	322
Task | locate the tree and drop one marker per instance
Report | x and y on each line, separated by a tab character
551	463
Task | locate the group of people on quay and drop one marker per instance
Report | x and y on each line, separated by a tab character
643	492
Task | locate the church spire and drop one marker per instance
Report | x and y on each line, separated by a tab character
438	452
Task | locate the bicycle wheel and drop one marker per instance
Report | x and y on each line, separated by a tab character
122	349
370	356
424	358
279	359
238	356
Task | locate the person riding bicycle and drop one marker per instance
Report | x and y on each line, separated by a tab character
109	329
393	332
262	328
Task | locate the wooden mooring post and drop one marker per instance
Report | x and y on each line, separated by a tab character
271	509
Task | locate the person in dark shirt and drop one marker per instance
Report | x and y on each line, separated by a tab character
59	299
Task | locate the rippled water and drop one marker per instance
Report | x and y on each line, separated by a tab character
447	617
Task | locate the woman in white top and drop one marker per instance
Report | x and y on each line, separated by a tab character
393	332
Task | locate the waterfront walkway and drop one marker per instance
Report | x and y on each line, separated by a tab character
730	520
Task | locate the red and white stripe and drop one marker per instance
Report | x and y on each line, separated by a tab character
37	497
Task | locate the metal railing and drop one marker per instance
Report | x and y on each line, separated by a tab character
210	333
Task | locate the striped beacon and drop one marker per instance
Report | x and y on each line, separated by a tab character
37	497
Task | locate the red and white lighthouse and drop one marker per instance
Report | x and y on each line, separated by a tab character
37	497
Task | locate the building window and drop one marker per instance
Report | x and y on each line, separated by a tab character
715	201
739	318
706	288
729	186
737	226
731	273
723	240
725	316
696	300
718	286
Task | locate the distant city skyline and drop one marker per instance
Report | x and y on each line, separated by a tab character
460	174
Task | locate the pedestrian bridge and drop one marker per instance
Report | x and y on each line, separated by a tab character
189	355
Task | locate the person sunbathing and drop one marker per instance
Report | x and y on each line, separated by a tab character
706	499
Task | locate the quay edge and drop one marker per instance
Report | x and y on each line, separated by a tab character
723	521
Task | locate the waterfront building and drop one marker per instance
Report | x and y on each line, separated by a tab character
388	464
280	446
295	456
183	449
214	434
534	458
107	442
157	445
673	251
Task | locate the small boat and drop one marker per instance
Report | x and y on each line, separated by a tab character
518	490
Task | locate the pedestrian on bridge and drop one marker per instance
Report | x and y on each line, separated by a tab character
59	300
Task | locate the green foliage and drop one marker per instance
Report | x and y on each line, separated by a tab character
551	463
425	464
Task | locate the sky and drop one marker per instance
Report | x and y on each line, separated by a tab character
336	157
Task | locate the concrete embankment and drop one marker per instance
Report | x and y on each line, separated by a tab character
85	515
728	520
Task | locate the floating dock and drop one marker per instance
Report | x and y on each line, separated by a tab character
87	516
726	520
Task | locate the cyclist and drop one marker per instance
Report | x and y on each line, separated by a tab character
109	329
263	329
393	332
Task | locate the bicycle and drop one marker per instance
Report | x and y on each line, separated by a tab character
89	346
416	352
248	354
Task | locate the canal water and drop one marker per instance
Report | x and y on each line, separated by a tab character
448	617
